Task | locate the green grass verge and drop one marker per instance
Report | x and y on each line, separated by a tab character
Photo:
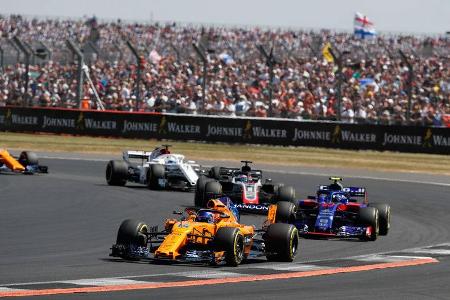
291	156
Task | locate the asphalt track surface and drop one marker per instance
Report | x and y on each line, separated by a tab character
60	226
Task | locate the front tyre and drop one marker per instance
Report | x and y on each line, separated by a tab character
368	216
384	215
230	240
28	158
132	232
281	242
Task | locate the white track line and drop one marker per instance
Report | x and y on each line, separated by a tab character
387	258
104	281
292	267
207	274
283	172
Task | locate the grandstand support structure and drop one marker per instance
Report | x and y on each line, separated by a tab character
140	66
408	84
27	54
337	56
201	54
270	62
80	60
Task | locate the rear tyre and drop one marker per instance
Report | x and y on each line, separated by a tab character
116	172
214	172
230	240
384	216
154	174
368	216
27	158
281	242
132	233
285	193
200	190
212	189
285	212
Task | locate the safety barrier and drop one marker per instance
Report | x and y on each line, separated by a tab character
226	129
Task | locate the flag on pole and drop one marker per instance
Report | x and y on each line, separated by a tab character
363	27
327	53
154	57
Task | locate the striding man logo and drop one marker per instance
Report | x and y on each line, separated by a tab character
336	136
162	129
80	121
248	131
427	138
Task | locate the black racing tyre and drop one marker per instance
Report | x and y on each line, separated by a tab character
214	172
116	172
212	189
28	158
132	232
281	242
285	193
230	240
200	190
368	216
155	172
384	216
285	212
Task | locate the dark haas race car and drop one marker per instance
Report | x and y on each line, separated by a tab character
26	163
158	169
212	235
335	212
244	186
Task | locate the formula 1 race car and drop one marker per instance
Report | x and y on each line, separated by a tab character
335	212
244	186
26	163
213	235
158	169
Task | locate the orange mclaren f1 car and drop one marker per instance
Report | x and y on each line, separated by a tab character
211	235
26	163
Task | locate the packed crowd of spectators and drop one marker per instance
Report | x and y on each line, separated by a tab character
374	87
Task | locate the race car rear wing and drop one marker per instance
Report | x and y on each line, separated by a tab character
136	154
352	191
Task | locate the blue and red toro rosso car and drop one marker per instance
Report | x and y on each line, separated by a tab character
335	212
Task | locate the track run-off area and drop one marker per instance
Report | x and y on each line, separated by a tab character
56	230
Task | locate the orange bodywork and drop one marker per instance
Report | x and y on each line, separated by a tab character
10	162
272	214
200	233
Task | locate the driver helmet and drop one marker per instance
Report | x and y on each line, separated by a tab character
205	216
322	198
243	178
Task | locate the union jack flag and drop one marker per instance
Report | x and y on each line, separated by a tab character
363	27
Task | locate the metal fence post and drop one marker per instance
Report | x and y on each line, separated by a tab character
27	54
270	62
46	49
2	56
202	56
15	48
338	60
77	52
408	84
139	62
31	51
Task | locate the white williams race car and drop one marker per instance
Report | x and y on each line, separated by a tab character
158	169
